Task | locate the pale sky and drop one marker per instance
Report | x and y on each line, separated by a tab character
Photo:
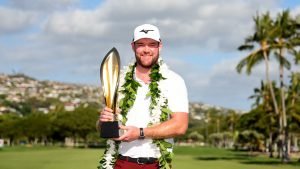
66	40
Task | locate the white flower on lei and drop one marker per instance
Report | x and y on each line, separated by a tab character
163	69
109	157
119	117
155	115
108	166
162	100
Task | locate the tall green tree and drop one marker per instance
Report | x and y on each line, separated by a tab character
84	120
77	124
261	45
11	127
263	103
286	41
37	127
284	31
293	100
231	120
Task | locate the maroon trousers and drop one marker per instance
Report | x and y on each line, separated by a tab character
123	164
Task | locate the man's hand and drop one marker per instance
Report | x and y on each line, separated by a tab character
106	115
131	133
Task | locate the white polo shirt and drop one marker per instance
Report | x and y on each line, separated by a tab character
139	115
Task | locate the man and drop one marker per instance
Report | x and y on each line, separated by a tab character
153	108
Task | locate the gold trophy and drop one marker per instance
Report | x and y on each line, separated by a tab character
109	72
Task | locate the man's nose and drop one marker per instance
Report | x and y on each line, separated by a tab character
146	48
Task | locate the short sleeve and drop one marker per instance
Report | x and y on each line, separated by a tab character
177	94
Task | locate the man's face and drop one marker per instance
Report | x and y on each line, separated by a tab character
146	51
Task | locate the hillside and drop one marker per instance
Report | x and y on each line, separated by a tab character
19	91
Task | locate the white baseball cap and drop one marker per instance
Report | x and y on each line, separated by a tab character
146	31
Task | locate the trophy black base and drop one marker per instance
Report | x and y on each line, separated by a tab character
109	129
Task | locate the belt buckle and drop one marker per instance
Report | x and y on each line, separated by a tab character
138	161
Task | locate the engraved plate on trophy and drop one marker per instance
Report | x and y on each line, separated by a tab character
109	72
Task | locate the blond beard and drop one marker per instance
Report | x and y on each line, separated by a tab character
139	62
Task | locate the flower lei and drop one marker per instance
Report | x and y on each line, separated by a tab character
159	112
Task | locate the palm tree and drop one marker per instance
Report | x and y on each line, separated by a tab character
262	99
283	32
231	120
261	96
286	40
293	98
293	102
263	39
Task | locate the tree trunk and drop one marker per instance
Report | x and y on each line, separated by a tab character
284	129
270	85
272	93
296	142
271	145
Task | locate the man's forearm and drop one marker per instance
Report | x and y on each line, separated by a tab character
176	126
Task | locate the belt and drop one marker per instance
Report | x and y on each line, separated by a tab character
141	160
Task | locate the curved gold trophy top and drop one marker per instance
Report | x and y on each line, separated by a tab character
109	72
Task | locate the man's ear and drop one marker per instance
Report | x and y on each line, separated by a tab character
160	46
132	46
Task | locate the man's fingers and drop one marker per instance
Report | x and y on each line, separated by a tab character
107	109
106	115
118	110
124	136
123	127
121	138
105	120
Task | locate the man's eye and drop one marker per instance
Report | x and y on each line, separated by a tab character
152	44
140	45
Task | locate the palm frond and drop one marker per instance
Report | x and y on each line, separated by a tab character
296	116
249	61
282	61
297	56
245	47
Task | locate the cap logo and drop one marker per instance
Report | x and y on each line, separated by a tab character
146	31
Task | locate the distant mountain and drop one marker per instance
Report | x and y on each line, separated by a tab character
19	88
18	91
198	110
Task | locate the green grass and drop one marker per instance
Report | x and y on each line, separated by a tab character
51	158
212	158
185	158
